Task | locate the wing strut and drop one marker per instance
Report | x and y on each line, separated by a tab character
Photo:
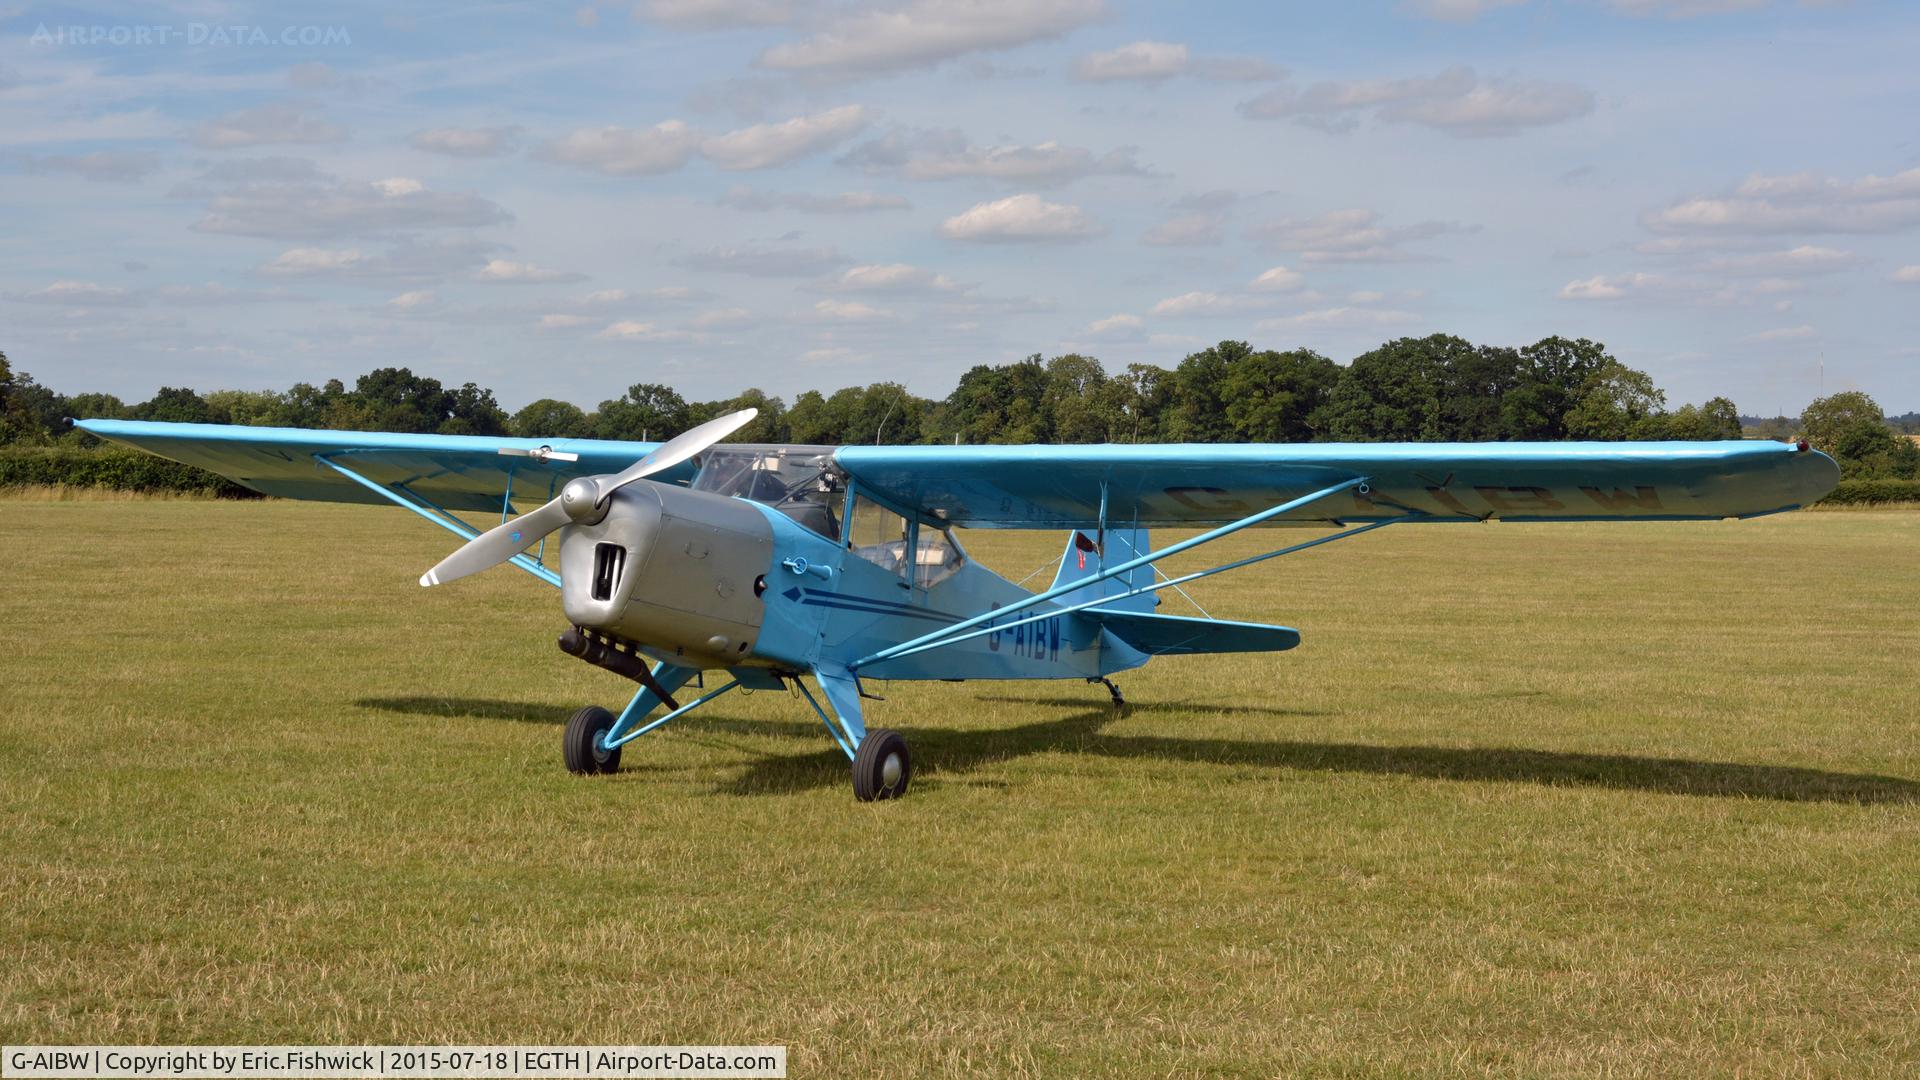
967	628
426	508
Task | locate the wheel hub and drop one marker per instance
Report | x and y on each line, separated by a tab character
890	771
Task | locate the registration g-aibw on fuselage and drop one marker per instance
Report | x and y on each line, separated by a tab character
774	563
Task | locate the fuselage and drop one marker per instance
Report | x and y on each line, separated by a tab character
705	578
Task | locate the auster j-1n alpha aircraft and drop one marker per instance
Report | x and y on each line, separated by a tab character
775	562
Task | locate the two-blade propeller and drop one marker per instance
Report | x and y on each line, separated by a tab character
579	501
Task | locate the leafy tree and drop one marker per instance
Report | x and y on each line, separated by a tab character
1393	393
1851	426
1076	401
395	399
101	406
305	405
770	426
1279	396
1004	404
807	421
1474	382
550	419
29	412
174	404
647	412
1903	461
1199	412
1830	420
1554	373
880	413
1138	399
1717	419
1614	404
473	411
248	407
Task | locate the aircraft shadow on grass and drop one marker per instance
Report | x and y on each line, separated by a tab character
945	752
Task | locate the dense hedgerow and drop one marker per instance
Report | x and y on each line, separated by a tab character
115	468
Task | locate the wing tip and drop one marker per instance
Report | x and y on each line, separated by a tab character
429	579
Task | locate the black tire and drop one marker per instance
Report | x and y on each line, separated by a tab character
882	766
581	744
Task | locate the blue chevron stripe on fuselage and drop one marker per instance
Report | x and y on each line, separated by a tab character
868	604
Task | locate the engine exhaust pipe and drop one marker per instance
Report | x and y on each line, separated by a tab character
604	652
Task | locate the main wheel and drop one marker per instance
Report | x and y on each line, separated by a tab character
581	744
881	767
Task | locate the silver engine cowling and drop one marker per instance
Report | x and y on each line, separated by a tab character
672	570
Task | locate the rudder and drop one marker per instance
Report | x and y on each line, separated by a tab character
1084	559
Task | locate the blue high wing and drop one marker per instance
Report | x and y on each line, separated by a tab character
1025	487
457	472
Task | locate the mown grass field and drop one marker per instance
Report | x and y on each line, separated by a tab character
1534	800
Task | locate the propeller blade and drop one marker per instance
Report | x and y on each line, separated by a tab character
685	445
576	502
498	544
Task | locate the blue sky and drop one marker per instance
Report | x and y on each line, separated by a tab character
560	201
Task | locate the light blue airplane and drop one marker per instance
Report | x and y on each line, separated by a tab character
774	562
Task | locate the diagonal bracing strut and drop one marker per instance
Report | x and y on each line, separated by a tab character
947	634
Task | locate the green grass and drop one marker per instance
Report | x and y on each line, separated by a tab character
1529	800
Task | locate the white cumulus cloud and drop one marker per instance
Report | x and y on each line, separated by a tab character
742	197
1199	303
895	277
850	311
1353	235
1021	218
466	142
1784	333
766	145
1804	202
306	260
1115	326
510	272
1147	61
1609	286
1457	101
80	294
279	122
1458	10
946	154
860	39
722	14
618	151
1278	279
1187	230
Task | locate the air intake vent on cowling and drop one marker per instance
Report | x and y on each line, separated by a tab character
608	561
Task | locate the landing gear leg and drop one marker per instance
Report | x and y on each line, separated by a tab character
1119	703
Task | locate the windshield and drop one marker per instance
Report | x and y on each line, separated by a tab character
798	481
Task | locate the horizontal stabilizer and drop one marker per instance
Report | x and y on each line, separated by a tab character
1177	635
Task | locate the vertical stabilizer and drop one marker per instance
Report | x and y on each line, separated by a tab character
1084	559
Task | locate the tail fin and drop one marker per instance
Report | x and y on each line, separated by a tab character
1084	559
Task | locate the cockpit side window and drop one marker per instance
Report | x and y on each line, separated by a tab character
935	557
878	535
798	481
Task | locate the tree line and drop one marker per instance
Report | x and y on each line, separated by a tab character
1429	389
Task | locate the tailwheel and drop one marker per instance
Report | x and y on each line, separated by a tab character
881	767
586	754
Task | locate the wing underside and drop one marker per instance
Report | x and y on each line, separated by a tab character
1026	487
457	472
